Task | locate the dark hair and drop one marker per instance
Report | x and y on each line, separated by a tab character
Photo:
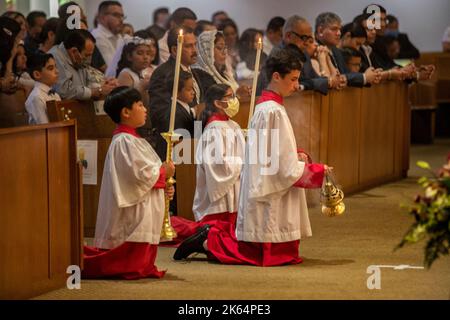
201	26
33	15
127	50
215	92
391	19
14	64
348	53
359	19
119	98
37	62
77	38
50	25
13	15
228	23
356	30
145	34
282	61
181	14
275	24
382	9
172	37
62	30
103	6
217	13
62	10
388	40
184	76
158	11
247	52
9	29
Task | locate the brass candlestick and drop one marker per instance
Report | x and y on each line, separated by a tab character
168	233
332	198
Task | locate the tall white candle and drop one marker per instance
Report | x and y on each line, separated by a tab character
255	81
175	82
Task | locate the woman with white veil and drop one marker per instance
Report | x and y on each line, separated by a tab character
212	58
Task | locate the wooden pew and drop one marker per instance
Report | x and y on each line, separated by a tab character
362	133
441	77
89	127
12	109
41	213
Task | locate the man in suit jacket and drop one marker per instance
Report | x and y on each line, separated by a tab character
160	94
407	49
297	33
328	33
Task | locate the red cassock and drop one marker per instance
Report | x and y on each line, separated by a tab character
186	228
129	260
224	246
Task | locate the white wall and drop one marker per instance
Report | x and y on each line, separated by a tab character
424	20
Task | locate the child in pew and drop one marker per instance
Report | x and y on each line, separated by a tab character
136	63
184	115
218	175
272	213
131	204
352	59
43	69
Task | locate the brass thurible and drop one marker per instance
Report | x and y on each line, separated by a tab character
168	233
331	197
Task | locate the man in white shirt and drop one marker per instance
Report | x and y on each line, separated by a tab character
182	17
108	33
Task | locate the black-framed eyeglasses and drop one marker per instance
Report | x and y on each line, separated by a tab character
303	37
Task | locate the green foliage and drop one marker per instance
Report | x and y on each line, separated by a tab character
431	212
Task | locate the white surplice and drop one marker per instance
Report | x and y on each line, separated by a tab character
129	209
217	189
271	209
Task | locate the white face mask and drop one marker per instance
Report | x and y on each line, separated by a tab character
233	107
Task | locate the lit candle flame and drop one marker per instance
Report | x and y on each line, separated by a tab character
181	32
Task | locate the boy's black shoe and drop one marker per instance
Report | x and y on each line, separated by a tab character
192	244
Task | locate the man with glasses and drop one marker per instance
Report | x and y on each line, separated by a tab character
328	33
108	33
297	35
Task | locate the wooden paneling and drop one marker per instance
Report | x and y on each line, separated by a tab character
343	148
59	172
441	78
362	133
24	212
12	109
91	193
377	133
37	238
90	126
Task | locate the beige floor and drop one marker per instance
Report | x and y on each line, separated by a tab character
335	258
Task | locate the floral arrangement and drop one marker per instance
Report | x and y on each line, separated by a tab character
431	212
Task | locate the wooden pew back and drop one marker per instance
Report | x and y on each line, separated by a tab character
12	109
